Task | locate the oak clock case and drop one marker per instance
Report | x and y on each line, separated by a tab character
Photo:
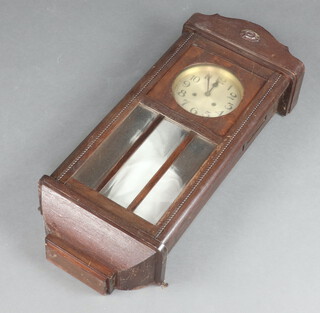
122	199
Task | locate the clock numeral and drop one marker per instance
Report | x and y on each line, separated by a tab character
186	83
195	78
229	106
230	87
185	101
222	81
194	111
220	113
207	114
232	95
182	93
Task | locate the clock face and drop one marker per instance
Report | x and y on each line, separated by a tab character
207	90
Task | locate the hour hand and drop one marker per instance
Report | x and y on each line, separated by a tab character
214	85
208	77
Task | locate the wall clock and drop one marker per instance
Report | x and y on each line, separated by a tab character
119	203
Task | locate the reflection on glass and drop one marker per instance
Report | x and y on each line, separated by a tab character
144	163
172	182
114	147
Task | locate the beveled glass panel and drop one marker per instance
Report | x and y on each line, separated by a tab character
114	147
144	163
173	181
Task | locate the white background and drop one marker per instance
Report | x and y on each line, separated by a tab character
255	245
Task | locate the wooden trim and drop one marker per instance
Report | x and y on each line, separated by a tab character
130	152
157	176
172	115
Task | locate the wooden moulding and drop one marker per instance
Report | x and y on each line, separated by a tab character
107	246
87	270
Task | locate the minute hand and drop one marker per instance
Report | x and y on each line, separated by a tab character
214	85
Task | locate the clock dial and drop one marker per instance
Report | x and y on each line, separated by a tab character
207	90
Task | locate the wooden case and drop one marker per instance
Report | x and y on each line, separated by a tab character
108	246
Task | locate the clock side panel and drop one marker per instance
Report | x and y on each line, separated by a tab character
228	152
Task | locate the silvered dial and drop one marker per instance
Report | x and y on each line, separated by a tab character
207	90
